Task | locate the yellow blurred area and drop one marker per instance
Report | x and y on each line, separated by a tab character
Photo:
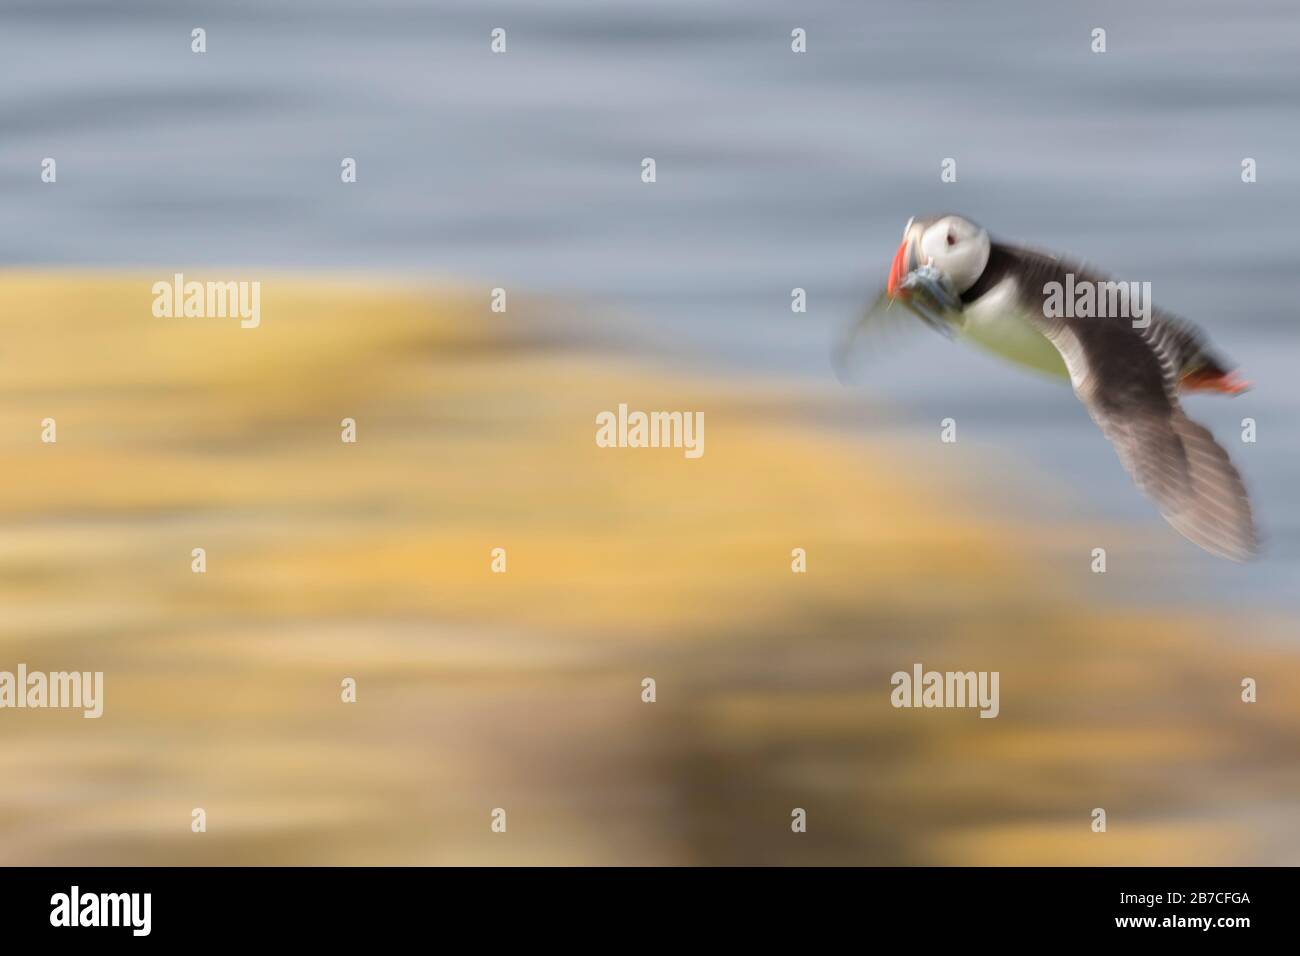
522	690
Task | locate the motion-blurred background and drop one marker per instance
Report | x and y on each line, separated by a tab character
775	170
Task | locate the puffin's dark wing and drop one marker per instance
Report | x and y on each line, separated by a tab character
1128	378
1217	515
1181	343
880	328
1180	466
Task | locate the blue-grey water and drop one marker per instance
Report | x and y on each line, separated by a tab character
775	170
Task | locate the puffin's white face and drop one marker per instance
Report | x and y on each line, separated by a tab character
955	246
958	248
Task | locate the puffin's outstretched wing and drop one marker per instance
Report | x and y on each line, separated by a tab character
880	327
1182	344
1128	379
1189	476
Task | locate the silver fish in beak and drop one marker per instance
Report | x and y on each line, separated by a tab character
921	287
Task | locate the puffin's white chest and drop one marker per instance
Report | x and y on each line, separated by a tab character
996	322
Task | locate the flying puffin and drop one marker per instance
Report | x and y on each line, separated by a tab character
1128	372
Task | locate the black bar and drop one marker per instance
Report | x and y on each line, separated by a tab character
326	906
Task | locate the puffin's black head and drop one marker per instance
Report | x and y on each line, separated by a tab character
955	246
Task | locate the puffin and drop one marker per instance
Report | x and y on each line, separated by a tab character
1128	367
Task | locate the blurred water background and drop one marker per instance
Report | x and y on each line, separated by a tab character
775	170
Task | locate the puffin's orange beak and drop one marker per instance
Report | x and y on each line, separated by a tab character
900	268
